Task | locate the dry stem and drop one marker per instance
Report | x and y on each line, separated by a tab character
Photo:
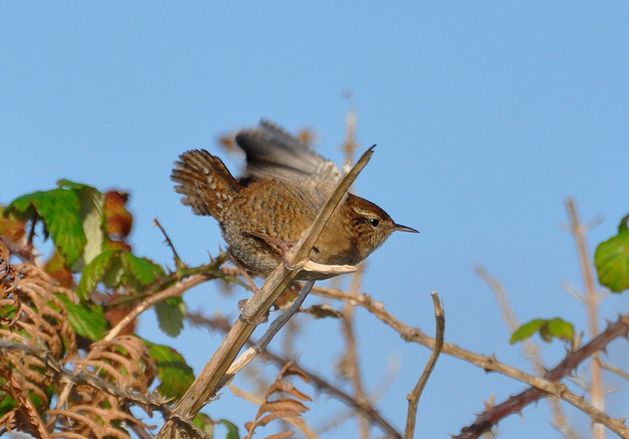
578	231
613	369
413	397
351	355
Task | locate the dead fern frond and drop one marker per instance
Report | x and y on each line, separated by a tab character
9	299
40	316
31	315
282	401
92	411
124	361
85	420
25	416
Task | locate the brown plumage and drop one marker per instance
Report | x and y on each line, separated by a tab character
284	187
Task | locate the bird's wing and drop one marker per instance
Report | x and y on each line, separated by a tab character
274	153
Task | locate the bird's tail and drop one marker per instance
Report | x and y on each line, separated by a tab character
205	183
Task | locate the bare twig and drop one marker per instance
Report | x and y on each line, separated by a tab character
613	369
351	355
579	231
178	262
254	311
321	383
414	396
530	349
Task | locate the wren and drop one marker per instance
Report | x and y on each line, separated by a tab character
264	213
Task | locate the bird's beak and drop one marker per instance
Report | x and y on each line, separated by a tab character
401	228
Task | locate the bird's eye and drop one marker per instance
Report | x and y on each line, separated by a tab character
374	221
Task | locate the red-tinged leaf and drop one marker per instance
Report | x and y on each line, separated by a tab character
11	227
57	269
118	219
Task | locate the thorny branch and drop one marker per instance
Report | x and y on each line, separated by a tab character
530	349
516	403
413	397
541	387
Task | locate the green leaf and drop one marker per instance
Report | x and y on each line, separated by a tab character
115	274
174	374
142	270
547	329
92	216
7	403
526	330
559	328
204	423
69	184
94	272
60	210
612	260
170	315
118	267
232	429
86	320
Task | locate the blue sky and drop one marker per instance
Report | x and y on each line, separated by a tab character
486	115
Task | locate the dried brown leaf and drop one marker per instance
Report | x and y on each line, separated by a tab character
282	435
278	403
284	405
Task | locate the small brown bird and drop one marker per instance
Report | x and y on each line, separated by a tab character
284	187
